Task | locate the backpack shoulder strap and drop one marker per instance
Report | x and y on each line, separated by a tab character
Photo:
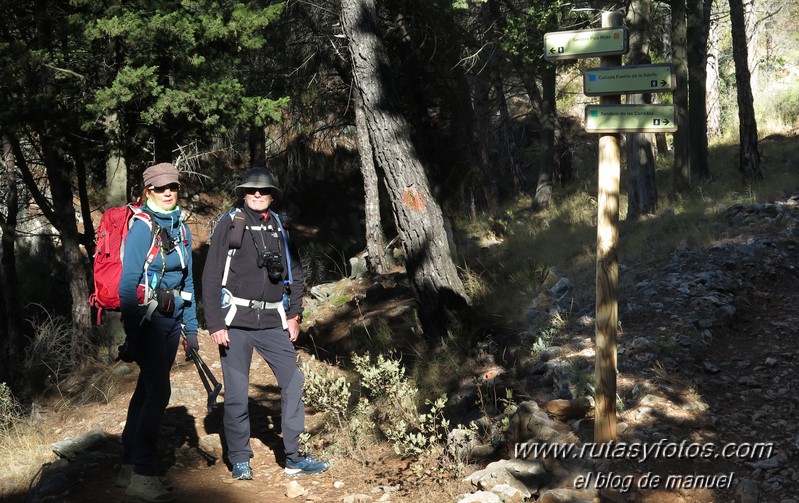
138	213
235	237
237	225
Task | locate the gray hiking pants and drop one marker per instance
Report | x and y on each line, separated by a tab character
278	351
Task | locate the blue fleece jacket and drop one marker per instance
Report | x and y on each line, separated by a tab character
165	271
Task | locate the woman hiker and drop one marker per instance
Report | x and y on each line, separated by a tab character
156	293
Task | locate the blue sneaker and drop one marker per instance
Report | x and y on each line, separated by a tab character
242	471
306	466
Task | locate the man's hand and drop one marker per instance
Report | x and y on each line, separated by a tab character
294	329
189	343
221	337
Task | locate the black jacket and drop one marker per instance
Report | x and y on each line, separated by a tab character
245	278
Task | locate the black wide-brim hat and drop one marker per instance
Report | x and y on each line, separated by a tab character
259	178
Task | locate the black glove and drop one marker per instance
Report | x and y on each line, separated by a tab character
128	350
189	343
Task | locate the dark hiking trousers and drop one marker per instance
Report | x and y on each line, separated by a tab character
278	351
157	346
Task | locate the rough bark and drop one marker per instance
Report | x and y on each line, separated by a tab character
682	159
257	145
86	238
749	156
439	291
375	239
58	175
712	100
116	167
546	143
697	34
492	18
752	34
480	120
10	332
641	187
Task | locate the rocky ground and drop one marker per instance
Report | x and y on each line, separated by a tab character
707	394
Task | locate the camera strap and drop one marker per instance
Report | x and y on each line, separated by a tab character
283	233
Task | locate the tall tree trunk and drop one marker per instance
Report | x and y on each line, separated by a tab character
712	100
87	237
257	144
549	126
63	216
752	42
641	187
682	158
13	346
749	156
507	141
58	175
116	167
492	18
375	239
661	145
481	121
439	291
546	142
697	32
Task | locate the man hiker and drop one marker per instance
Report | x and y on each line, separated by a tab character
252	294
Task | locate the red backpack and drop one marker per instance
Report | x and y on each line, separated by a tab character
110	251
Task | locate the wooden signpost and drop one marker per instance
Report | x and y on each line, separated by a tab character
609	118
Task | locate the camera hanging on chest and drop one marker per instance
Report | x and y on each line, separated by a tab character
164	298
269	260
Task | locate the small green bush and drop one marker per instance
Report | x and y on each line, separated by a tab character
10	410
326	391
386	407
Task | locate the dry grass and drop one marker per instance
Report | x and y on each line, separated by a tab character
23	450
75	404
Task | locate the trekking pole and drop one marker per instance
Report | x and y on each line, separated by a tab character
203	370
205	376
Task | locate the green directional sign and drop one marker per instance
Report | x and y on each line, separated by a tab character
630	119
629	79
585	43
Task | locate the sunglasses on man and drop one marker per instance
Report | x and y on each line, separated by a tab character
252	190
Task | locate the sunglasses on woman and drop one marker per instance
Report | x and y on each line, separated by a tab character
174	187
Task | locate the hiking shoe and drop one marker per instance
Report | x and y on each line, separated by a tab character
306	466
123	478
148	488
242	471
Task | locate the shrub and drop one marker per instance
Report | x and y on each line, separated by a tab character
10	410
386	407
325	391
48	360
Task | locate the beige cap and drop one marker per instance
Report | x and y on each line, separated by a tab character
160	175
